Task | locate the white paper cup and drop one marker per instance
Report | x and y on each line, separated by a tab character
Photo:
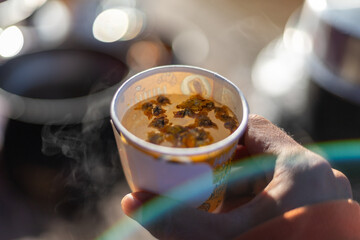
166	170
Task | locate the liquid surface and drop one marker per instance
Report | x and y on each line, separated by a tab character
183	121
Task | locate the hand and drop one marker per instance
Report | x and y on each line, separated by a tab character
299	178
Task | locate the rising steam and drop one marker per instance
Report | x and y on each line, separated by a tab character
93	165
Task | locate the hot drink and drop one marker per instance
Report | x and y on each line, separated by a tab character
176	120
176	129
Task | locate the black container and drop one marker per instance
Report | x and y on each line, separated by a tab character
59	150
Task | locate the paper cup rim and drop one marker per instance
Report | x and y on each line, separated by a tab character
172	151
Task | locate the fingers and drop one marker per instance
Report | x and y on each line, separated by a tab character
261	141
300	176
263	137
167	219
303	178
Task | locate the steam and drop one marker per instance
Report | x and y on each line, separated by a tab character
91	159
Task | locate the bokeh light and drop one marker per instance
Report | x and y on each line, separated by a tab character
297	40
111	25
317	5
52	22
11	41
136	23
14	11
277	70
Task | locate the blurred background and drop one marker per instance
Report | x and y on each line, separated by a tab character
296	61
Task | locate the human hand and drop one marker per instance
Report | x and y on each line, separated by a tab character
299	177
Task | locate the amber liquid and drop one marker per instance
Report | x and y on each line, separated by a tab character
137	122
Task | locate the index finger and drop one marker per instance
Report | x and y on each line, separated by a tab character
251	176
263	137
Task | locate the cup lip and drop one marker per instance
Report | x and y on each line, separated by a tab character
172	151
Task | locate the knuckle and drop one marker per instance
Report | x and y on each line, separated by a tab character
343	184
258	120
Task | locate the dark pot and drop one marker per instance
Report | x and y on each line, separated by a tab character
59	149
